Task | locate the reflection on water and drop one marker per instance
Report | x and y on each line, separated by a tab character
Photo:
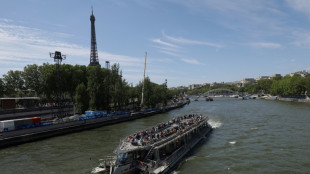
251	136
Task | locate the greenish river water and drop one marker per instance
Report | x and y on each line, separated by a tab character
250	136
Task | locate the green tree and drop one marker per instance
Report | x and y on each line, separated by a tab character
96	87
307	84
2	88
297	86
48	79
264	85
14	82
32	77
81	99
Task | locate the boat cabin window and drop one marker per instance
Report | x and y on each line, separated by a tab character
124	158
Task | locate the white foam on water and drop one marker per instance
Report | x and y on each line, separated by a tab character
215	124
232	142
254	128
190	158
97	170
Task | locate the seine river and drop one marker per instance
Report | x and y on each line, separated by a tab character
250	136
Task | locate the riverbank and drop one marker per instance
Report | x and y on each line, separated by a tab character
287	99
16	137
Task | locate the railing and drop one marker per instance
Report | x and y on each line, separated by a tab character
174	155
12	111
152	165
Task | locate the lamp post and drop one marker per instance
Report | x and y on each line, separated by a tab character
107	63
58	59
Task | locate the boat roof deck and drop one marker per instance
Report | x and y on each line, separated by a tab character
161	133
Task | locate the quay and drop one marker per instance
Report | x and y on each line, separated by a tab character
16	137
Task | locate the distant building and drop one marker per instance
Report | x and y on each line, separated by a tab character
213	84
247	81
274	75
194	86
18	102
303	73
179	87
206	84
235	83
262	78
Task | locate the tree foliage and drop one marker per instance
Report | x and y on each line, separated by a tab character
81	98
1	88
89	87
288	86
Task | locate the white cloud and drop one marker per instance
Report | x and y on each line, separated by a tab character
21	45
302	39
180	40
302	6
266	45
190	61
122	59
164	43
167	48
170	53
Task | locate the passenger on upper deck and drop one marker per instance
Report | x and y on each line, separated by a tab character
160	131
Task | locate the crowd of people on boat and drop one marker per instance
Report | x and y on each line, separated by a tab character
165	129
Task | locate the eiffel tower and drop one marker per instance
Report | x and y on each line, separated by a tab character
94	61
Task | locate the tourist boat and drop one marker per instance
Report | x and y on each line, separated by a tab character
159	149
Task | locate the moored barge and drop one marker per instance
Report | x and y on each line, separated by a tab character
159	149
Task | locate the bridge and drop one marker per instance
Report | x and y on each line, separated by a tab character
220	91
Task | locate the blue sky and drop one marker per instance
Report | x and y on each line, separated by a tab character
188	41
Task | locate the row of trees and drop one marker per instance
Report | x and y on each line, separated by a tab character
287	86
89	87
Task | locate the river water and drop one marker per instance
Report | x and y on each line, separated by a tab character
250	136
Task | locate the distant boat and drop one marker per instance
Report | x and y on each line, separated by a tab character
243	97
196	99
209	99
234	96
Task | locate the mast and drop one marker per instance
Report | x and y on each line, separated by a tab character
142	99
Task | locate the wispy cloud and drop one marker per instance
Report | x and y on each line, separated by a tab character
164	43
180	40
20	45
172	46
5	20
266	45
302	6
166	47
123	60
170	53
252	18
190	61
302	39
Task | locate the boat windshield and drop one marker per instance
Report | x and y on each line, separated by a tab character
124	158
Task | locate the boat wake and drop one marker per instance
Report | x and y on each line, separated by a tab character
215	124
97	170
